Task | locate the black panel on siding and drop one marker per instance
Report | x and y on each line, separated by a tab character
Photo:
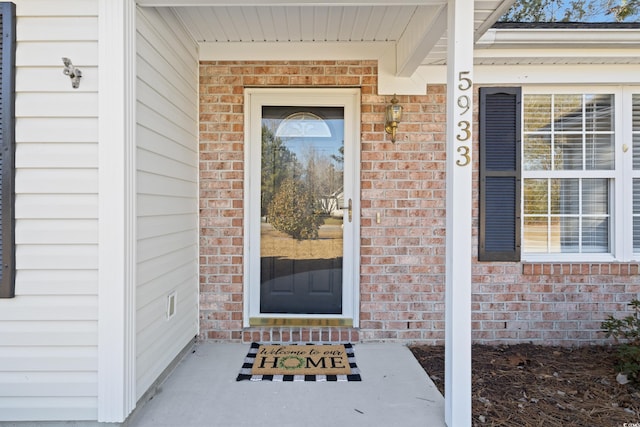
499	125
7	147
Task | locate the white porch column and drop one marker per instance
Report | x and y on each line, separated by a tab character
459	205
116	213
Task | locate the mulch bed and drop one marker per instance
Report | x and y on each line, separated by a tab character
527	385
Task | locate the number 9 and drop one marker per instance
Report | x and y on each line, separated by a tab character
463	102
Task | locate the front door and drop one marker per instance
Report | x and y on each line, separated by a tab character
302	204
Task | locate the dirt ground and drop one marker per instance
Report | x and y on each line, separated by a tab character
527	385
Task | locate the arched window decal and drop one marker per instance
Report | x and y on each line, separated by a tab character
303	125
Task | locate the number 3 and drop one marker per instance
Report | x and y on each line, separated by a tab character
464	152
464	127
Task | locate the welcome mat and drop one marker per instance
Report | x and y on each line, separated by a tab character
310	362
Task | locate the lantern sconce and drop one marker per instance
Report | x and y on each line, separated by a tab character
73	72
393	116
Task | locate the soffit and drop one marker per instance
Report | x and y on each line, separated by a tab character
416	27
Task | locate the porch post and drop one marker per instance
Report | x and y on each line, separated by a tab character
459	205
116	211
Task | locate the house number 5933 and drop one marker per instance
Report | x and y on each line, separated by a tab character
463	104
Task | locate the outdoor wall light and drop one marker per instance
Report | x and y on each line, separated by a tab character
73	73
393	116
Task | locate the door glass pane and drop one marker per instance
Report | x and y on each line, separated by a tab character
302	186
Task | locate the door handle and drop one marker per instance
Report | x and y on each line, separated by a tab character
349	209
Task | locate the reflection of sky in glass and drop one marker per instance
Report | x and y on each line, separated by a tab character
301	130
322	146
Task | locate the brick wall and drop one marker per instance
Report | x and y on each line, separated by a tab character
559	304
402	258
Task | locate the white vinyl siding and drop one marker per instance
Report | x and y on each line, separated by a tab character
167	200
48	332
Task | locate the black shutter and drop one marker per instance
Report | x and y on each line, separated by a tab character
7	149
500	124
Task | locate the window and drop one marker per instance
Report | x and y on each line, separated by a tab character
568	173
580	174
7	121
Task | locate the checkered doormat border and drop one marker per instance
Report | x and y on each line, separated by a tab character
245	371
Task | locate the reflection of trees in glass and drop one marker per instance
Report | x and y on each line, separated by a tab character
537	113
322	178
339	158
278	163
537	153
536	197
299	187
293	211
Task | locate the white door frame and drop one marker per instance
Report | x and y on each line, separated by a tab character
255	98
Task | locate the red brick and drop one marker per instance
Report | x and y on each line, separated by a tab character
402	264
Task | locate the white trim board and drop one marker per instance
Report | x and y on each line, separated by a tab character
389	83
176	3
116	199
543	74
579	38
459	195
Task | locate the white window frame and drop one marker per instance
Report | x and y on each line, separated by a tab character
620	213
627	196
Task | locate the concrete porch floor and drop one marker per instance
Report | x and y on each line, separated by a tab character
203	391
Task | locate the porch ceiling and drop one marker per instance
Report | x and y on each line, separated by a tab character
416	27
402	35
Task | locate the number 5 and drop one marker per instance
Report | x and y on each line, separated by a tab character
465	82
